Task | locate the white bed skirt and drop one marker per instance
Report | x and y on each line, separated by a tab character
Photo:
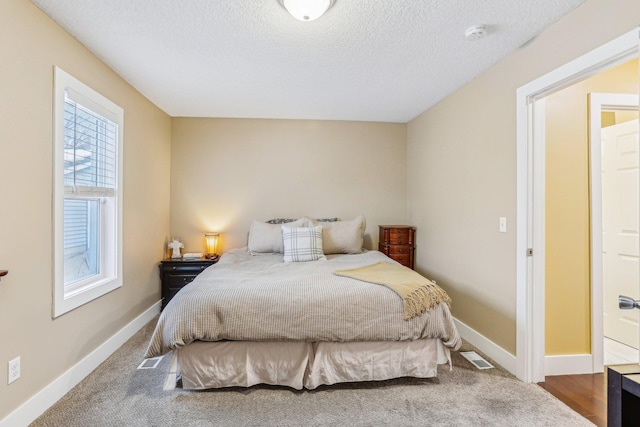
204	365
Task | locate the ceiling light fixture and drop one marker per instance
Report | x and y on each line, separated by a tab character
306	10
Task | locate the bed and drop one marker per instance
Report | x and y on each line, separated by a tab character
253	318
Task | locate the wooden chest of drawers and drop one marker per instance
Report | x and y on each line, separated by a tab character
398	243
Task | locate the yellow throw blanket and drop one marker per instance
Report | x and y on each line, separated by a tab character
418	293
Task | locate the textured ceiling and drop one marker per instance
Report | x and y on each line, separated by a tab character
369	60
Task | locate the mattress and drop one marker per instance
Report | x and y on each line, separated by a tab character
260	298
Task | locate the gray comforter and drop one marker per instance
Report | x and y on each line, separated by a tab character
260	298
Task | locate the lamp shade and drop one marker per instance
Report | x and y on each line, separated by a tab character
211	241
307	10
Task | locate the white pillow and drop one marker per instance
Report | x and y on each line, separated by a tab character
302	243
343	237
267	238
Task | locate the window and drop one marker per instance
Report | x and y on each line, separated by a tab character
87	203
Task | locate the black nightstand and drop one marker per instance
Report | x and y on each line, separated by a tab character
623	395
178	272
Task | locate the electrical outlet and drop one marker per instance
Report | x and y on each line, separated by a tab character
14	370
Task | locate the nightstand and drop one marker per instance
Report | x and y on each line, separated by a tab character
176	273
398	243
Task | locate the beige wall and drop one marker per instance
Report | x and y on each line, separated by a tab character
226	172
461	163
31	45
567	276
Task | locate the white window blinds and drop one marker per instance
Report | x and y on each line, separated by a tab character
90	151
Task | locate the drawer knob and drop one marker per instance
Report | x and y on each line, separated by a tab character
174	267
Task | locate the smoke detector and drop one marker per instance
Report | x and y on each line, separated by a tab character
476	32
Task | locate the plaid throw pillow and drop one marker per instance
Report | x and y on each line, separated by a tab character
302	243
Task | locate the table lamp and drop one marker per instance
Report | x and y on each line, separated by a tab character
211	241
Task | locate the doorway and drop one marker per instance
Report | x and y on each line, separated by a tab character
574	260
531	233
615	247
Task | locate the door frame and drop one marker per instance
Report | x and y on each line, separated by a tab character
599	102
530	193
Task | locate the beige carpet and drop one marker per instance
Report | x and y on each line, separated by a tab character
117	394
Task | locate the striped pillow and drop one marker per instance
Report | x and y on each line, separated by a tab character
302	243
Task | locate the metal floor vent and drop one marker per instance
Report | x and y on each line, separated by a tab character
477	360
151	363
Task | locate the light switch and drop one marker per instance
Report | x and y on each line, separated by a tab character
503	224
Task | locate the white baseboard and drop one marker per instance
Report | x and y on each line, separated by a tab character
501	356
45	398
570	364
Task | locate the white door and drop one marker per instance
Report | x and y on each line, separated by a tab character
620	237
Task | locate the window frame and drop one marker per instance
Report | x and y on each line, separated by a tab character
82	292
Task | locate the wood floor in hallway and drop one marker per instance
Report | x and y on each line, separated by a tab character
585	394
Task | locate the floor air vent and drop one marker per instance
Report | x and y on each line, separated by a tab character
151	363
477	360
